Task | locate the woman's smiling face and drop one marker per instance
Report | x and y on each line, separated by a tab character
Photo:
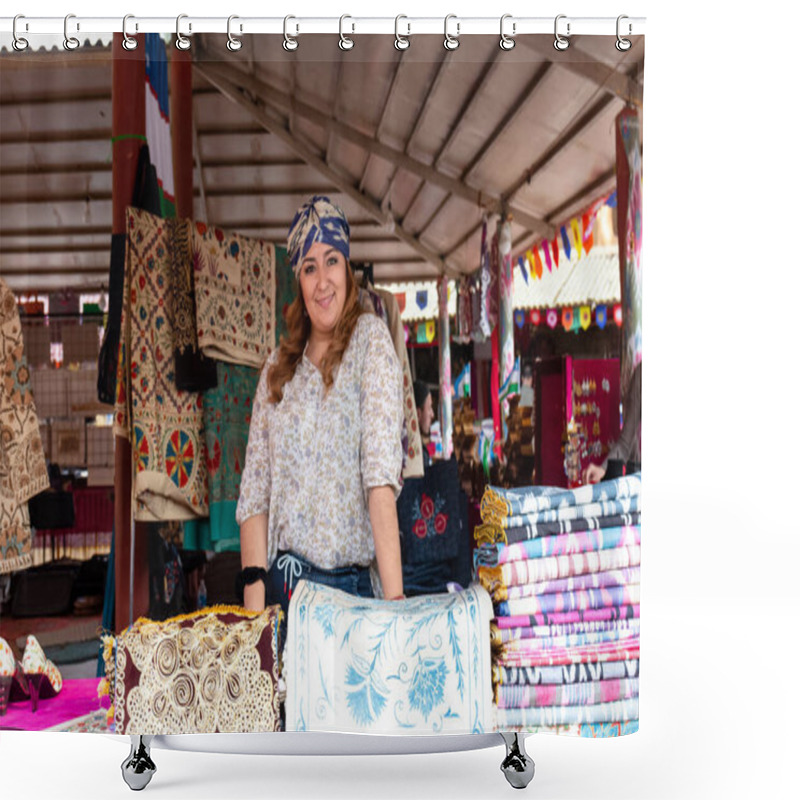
323	282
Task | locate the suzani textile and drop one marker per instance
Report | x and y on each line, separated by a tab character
235	293
414	666
164	424
214	671
23	472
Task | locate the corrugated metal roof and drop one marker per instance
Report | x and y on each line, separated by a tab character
589	280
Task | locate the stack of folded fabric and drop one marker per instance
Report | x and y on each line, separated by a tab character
562	567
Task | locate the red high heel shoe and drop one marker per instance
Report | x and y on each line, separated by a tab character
44	678
13	682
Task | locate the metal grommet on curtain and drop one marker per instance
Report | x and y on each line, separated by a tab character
451	42
401	42
561	43
128	42
623	44
506	42
345	43
19	44
289	42
181	42
233	43
70	42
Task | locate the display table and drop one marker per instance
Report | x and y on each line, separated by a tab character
73	704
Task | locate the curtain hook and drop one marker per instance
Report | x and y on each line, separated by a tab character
70	42
623	44
345	43
181	42
401	42
289	42
233	44
19	44
451	42
506	42
561	43
129	42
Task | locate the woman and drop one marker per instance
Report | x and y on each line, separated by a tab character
324	455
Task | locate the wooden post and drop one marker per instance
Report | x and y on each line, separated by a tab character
180	80
128	123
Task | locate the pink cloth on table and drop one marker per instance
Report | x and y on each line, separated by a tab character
76	699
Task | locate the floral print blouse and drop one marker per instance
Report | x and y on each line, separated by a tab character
312	458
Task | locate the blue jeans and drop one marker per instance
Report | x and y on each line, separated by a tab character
288	568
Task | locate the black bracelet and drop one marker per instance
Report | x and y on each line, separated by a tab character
248	576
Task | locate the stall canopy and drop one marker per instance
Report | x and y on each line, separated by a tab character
415	146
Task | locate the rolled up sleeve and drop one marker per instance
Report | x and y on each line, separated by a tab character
256	481
381	411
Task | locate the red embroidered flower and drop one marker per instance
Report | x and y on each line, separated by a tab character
420	528
248	319
201	228
219	234
427	507
440	523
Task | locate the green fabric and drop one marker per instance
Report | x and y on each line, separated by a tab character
285	291
226	419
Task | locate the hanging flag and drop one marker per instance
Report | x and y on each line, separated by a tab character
576	319
618	315
519	317
462	386
401	301
536	316
554	248
552	318
511	384
588	236
586	316
600	316
546	249
576	236
485	449
422	299
612	200
157	124
430	331
566	318
421	335
531	263
565	240
537	262
522	269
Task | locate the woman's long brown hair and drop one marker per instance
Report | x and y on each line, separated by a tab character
299	329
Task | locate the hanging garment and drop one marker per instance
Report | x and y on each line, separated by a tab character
285	291
193	371
235	294
164	424
408	667
226	425
23	471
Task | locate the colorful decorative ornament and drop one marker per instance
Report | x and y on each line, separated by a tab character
180	458
422	299
552	318
566	318
601	316
536	316
546	251
618	315
565	240
519	317
554	248
576	319
421	334
523	269
400	297
576	236
586	317
537	263
430	330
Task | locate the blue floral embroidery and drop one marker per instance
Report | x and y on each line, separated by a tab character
427	685
367	701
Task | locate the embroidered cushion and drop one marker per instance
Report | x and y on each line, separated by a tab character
214	671
415	666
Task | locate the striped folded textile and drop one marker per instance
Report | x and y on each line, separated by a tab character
591	580
608	651
604	508
590	615
585	730
526	644
498	502
572	694
565	544
495	534
617	711
570	601
567	673
500	635
535	570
